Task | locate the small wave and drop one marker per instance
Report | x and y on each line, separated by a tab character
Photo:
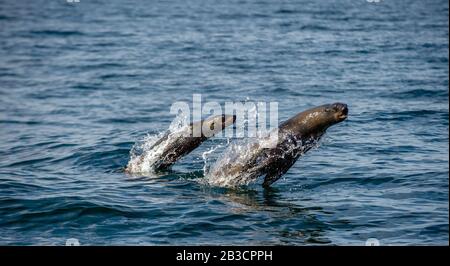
108	159
87	87
57	32
20	122
18	186
60	209
314	27
30	162
409	115
9	74
236	16
286	11
354	180
88	158
118	75
125	120
435	229
419	93
3	17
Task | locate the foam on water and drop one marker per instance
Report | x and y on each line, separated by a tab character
206	155
146	153
245	155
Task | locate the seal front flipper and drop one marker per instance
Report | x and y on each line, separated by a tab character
280	168
271	178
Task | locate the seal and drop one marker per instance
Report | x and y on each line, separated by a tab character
174	145
296	136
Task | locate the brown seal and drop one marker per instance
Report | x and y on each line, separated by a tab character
175	145
295	137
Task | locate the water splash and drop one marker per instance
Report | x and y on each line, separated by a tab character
146	152
244	161
225	172
207	155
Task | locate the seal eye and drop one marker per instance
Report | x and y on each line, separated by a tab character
211	127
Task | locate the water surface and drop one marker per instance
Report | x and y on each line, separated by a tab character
80	83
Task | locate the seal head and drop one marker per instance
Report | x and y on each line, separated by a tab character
315	121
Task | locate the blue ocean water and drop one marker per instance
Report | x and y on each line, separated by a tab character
80	83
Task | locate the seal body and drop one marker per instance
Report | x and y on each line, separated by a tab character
295	137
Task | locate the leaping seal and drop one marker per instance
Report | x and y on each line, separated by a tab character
296	136
174	145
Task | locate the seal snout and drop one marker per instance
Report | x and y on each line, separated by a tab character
341	109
